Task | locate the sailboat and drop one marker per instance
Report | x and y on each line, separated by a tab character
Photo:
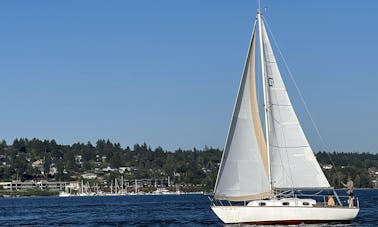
263	177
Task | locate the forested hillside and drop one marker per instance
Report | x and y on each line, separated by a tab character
35	159
361	167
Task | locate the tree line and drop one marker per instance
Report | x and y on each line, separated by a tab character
355	165
35	159
191	167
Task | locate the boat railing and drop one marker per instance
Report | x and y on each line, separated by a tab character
322	200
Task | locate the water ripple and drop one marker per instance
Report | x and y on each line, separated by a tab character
164	210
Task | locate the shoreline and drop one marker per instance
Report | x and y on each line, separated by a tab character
22	195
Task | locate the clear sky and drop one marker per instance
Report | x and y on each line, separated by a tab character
167	72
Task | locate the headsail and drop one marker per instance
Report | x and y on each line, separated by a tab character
293	164
243	174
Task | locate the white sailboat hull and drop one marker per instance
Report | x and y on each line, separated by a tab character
284	215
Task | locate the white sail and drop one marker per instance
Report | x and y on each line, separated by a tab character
293	164
250	169
243	173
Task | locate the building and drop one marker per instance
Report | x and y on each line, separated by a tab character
25	185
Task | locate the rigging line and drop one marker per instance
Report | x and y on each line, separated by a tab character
334	167
297	88
314	194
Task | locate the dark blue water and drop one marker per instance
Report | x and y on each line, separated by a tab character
163	210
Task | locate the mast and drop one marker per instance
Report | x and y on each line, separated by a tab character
266	108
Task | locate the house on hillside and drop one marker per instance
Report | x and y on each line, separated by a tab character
327	166
89	176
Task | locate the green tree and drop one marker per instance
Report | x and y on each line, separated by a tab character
357	181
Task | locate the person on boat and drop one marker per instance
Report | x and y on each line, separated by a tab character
331	202
349	186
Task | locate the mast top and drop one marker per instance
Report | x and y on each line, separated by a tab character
259	7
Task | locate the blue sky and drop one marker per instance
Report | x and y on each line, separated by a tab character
167	72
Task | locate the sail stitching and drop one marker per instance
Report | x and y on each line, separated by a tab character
288	146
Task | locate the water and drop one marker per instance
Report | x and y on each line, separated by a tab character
163	210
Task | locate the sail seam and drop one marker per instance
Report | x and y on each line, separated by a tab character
273	104
288	146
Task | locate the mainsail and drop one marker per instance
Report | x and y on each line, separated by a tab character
293	164
243	174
